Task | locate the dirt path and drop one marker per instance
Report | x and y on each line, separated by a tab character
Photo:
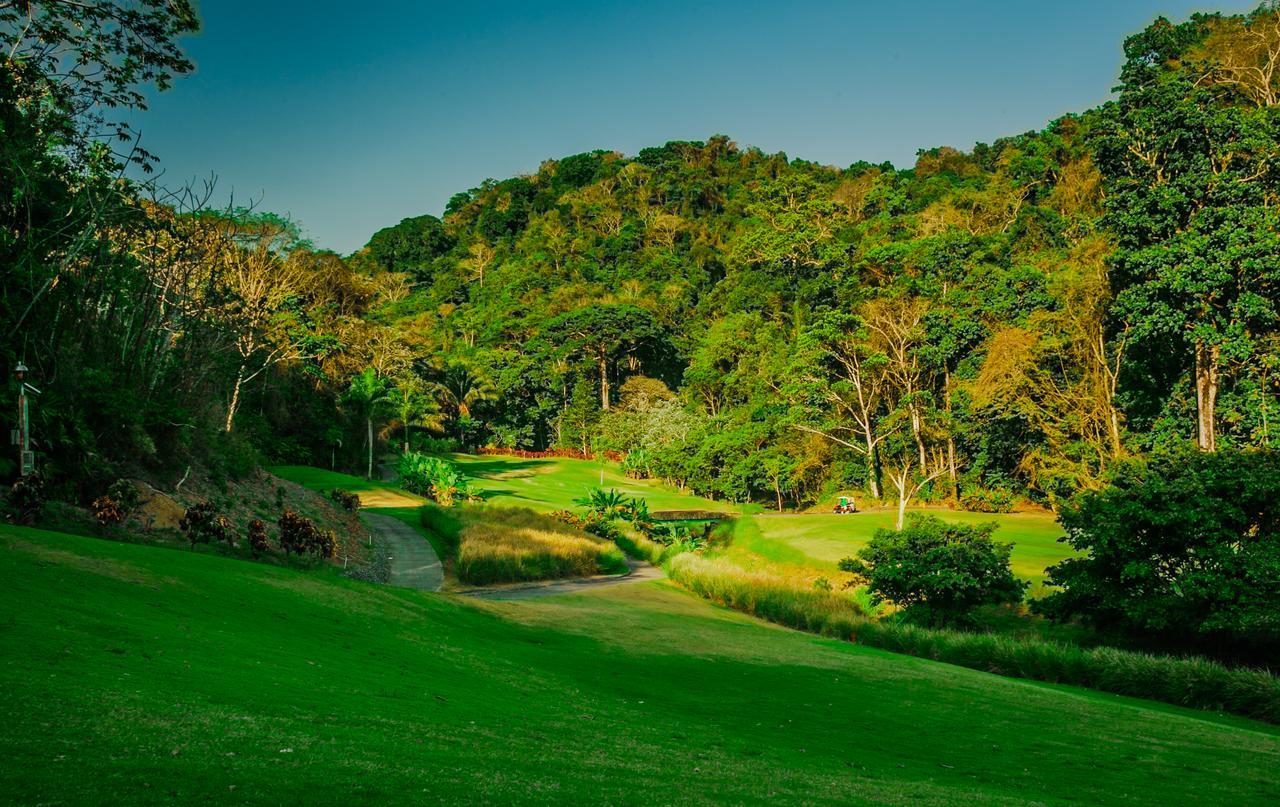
414	563
640	572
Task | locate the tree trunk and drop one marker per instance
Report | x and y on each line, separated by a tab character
873	471
778	490
235	399
951	438
902	506
1206	396
915	431
604	382
368	422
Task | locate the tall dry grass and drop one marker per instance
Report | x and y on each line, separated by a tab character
511	545
1192	682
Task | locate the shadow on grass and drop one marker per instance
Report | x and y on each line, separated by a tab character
492	493
497	468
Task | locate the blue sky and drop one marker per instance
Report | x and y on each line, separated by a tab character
351	116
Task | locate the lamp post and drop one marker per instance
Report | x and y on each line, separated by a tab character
26	457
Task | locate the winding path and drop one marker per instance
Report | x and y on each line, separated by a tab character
414	563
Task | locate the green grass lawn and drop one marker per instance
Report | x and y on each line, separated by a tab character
145	675
819	541
553	484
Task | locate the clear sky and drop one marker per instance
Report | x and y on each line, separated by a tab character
351	116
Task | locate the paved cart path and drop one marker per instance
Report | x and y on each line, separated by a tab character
414	563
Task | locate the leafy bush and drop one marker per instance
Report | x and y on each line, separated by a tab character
299	534
258	542
1192	682
987	500
345	499
937	572
26	499
202	524
1185	547
507	545
605	503
107	511
434	477
435	445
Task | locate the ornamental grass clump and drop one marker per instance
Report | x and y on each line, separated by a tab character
509	545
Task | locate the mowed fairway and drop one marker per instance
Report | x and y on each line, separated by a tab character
146	675
554	484
819	541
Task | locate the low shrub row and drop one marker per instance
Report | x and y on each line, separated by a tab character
1190	682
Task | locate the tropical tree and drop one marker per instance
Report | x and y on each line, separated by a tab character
413	407
370	397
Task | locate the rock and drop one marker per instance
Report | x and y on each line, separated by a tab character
156	510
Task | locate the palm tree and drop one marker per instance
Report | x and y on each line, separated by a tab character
462	388
414	408
370	395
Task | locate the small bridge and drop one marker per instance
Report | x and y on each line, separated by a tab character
688	515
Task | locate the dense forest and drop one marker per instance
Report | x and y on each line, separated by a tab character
1007	322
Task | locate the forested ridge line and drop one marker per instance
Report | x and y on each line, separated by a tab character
1003	322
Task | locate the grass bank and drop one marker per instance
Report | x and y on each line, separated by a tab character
140	675
513	544
1190	682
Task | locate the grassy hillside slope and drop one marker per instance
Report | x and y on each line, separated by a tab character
144	674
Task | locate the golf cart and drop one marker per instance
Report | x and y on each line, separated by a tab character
845	505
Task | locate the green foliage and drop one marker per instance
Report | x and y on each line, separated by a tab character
1184	547
203	524
987	500
434	477
300	535
938	572
257	537
606	504
345	499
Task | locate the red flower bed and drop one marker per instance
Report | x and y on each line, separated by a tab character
554	453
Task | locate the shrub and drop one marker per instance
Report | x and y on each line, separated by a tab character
434	477
202	524
345	499
107	511
26	498
987	500
126	496
258	542
299	534
606	503
507	545
937	572
1184	547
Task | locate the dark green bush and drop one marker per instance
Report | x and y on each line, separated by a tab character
345	499
987	500
937	571
202	524
1185	548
